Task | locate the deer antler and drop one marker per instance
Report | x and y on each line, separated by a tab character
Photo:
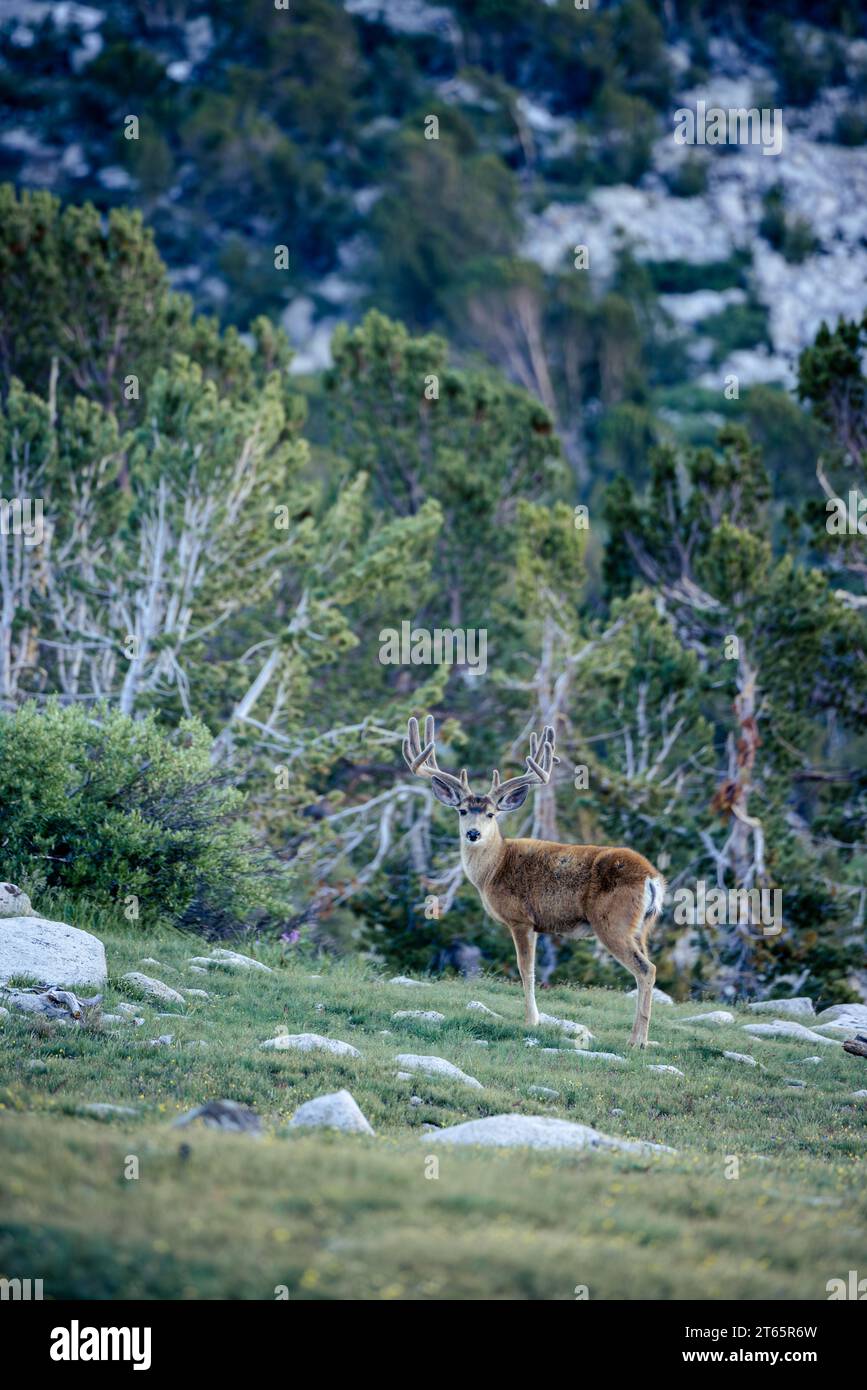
423	761
540	765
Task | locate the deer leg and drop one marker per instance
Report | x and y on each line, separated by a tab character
624	947
525	950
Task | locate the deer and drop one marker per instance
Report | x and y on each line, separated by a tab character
534	887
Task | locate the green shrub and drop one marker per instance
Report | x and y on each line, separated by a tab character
792	236
689	179
850	128
683	277
128	815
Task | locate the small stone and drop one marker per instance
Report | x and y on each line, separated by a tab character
741	1057
113	1018
845	1013
228	1115
801	1007
659	1066
544	1091
335	1111
659	996
716	1017
785	1028
403	1075
103	1109
429	1015
537	1132
810	1061
794	1083
416	1100
859	1095
478	1007
197	994
14	902
581	1035
153	989
616	1111
480	1042
405	980
149	960
164	1040
600	1056
197	970
310	1042
221	959
436	1066
126	1008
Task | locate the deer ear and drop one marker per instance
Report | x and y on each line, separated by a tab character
448	795
513	799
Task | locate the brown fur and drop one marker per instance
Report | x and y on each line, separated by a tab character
539	887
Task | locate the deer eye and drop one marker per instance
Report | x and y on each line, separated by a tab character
490	815
462	813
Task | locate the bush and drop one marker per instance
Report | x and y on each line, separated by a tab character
130	816
792	237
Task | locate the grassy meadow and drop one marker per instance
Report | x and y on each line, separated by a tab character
331	1216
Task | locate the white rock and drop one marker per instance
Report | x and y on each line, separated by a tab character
405	980
596	1056
149	960
4	1013
14	902
479	1042
126	1008
659	996
544	1091
480	1008
335	1111
845	1013
429	1015
859	1095
811	1061
197	994
164	1040
229	960
582	1035
197	970
784	1008
101	1109
403	1075
717	1017
659	1066
741	1057
535	1132
838	1031
310	1042
436	1066
154	989
785	1028
52	952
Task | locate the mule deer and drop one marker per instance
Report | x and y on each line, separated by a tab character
533	886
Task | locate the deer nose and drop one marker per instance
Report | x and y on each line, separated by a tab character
474	835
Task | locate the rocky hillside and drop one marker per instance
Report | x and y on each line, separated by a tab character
311	130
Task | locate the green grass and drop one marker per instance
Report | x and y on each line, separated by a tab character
331	1216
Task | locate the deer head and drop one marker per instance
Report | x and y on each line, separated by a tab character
478	812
